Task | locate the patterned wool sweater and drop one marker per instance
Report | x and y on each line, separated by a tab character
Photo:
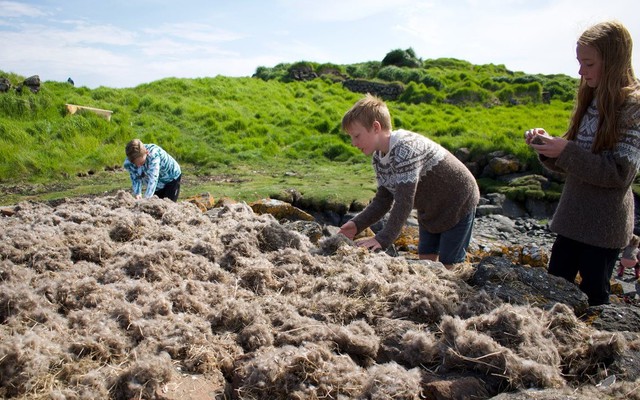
596	205
418	173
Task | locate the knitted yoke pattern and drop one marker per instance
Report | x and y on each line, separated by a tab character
596	206
418	173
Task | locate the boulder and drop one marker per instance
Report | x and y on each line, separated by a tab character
310	229
500	165
517	284
615	317
280	210
204	201
387	91
33	83
5	85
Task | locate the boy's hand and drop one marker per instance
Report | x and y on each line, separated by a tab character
370	243
349	229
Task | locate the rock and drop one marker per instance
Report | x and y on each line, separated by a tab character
387	91
310	229
302	72
463	154
540	209
224	202
537	394
5	85
516	284
204	201
463	388
7	212
488	209
329	217
33	83
502	165
513	209
280	210
291	195
615	317
474	167
498	203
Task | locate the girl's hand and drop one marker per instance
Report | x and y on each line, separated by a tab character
544	144
535	135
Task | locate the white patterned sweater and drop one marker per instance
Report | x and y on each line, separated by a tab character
596	206
418	173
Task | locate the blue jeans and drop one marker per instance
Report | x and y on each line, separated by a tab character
451	245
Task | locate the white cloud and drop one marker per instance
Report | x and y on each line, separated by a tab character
154	41
535	37
195	32
17	9
340	10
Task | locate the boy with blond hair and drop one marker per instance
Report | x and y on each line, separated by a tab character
412	171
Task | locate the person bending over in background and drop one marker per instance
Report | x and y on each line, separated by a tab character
412	171
629	257
152	166
600	156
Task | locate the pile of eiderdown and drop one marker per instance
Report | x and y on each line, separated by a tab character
112	297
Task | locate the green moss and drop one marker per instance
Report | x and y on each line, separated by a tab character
529	186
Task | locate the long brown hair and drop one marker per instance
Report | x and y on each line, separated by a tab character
617	80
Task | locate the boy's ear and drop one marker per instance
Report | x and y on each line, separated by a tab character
376	127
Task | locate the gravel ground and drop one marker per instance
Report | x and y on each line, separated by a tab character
530	231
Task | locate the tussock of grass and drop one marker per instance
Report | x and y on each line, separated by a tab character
113	297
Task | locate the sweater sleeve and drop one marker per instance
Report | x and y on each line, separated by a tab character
153	172
550	163
402	206
378	207
136	182
609	169
603	170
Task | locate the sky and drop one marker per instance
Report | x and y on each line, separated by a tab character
125	43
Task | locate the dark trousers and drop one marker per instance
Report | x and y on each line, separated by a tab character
171	190
595	264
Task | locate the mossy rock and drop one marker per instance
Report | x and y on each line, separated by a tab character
520	189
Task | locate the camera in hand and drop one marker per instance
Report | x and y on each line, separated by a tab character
537	139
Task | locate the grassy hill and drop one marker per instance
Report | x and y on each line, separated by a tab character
248	138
